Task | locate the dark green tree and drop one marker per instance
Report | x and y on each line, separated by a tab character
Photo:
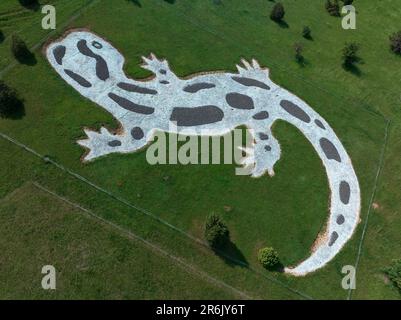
307	32
216	232
395	42
10	104
350	54
277	13
19	48
268	258
333	7
393	272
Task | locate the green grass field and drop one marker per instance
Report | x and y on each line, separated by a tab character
286	212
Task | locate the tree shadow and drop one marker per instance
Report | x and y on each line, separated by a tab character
30	4
230	254
28	58
136	2
170	1
352	68
302	62
282	24
17	112
2	37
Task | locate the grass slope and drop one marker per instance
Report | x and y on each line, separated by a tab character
286	211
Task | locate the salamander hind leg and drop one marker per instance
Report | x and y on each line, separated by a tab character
263	154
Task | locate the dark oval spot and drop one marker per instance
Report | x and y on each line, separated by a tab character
97	45
263	136
329	150
268	148
320	124
193	88
261	115
188	117
137	133
162	71
77	78
295	110
134	88
164	82
130	106
59	53
251	82
240	101
345	192
333	238
114	143
340	219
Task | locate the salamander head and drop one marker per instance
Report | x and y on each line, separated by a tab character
86	61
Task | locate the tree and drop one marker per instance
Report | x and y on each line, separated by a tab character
333	7
19	48
350	54
393	272
268	258
395	42
10	104
307	32
298	52
278	12
216	232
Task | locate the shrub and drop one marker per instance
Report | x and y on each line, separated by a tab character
278	12
307	32
393	272
9	101
333	8
19	48
395	42
298	52
350	54
268	258
216	232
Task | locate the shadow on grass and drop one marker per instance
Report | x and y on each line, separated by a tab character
17	112
282	24
230	254
302	62
30	4
170	1
352	68
2	37
136	2
28	58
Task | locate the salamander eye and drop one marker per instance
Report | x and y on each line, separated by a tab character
97	45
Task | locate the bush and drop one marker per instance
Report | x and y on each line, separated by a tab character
9	101
333	8
268	258
298	52
395	42
393	272
307	33
216	232
350	54
278	12
19	48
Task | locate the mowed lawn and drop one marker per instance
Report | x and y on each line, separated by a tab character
286	211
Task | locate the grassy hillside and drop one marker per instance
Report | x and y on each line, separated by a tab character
286	211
